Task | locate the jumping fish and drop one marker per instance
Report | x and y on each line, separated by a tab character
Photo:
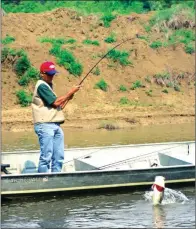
158	190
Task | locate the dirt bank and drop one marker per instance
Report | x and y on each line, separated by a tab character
93	108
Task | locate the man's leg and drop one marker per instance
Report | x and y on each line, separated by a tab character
58	150
45	134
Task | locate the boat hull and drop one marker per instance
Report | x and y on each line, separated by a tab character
85	181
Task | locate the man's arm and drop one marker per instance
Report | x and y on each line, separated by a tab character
63	100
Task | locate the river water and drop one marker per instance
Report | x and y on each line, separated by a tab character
128	210
85	138
116	210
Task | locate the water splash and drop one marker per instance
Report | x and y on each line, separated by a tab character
170	196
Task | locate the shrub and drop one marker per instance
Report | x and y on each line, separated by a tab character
96	71
59	41
136	84
165	91
176	87
165	75
24	80
107	19
24	98
55	50
147	28
156	44
143	38
70	41
32	73
148	79
102	85
176	17
7	40
124	100
75	68
121	57
189	48
90	42
11	52
21	65
110	39
184	36
64	57
149	93
4	54
122	88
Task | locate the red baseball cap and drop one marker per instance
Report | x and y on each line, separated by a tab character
48	67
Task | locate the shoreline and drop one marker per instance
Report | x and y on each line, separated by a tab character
19	120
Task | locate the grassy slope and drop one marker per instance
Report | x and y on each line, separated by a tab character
95	103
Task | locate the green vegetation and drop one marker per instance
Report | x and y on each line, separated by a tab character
64	57
102	85
96	71
55	41
143	38
31	74
124	101
23	69
21	65
176	87
119	56
9	52
176	22
111	38
156	44
90	42
136	84
185	36
107	19
189	48
149	93
178	16
122	88
148	79
4	54
92	7
163	76
166	79
7	40
165	91
147	28
24	98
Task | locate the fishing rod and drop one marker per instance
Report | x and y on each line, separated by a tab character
137	35
105	56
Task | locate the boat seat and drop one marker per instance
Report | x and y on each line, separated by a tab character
4	168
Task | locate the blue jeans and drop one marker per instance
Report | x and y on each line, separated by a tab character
51	140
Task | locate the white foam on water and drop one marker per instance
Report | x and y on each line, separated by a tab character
170	196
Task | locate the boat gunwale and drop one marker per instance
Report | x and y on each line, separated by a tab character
95	171
103	147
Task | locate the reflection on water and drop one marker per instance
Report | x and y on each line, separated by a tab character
84	138
128	210
159	217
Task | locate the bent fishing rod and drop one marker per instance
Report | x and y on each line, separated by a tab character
105	56
137	35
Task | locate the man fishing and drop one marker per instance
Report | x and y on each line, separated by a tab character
47	118
48	115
